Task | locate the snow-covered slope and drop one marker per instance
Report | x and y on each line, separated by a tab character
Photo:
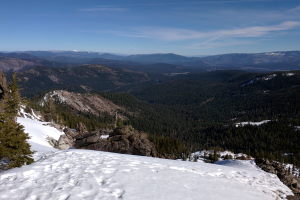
84	174
39	132
91	175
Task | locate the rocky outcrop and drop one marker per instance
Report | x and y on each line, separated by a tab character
83	102
64	142
124	140
284	174
67	140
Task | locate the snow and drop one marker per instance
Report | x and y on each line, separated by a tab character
84	174
39	132
292	169
288	74
91	175
275	54
176	74
269	77
31	115
104	136
202	156
241	124
263	78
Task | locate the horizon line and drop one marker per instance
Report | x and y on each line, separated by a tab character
152	53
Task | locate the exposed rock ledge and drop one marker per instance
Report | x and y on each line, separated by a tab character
124	140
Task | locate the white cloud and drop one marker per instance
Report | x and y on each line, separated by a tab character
173	34
218	44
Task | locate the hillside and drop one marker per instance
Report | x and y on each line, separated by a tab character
86	78
198	111
224	95
14	64
86	103
16	61
281	60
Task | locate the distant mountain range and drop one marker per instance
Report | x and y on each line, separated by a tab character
85	78
270	61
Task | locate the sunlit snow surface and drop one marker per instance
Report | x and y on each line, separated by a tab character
83	174
90	175
39	132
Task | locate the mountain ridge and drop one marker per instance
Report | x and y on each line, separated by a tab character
266	61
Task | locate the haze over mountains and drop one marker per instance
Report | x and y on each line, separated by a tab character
270	61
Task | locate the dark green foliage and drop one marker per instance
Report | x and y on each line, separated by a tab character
13	101
196	132
276	140
13	145
213	157
37	80
169	147
119	122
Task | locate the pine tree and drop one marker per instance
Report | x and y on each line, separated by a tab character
14	148
48	110
12	103
13	145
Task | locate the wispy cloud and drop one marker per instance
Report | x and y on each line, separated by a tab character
218	44
104	9
296	9
174	34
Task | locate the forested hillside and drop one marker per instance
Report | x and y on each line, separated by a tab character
202	110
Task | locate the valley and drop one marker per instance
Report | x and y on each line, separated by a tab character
150	100
166	110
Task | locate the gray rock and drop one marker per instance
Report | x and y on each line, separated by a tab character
124	140
64	142
70	132
52	141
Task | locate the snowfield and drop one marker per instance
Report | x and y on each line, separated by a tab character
84	174
39	132
91	175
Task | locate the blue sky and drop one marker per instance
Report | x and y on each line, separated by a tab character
188	27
